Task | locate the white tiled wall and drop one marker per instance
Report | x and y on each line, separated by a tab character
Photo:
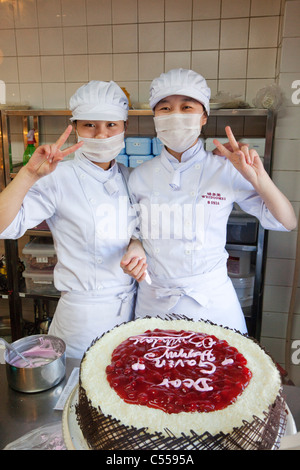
234	43
286	172
50	47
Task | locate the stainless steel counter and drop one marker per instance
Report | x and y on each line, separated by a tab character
21	413
24	412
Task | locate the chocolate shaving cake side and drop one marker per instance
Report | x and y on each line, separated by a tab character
106	433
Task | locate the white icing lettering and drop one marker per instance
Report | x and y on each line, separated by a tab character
227	361
138	366
200	384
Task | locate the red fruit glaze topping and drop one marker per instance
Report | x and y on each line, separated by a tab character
178	371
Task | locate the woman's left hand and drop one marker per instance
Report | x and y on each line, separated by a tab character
245	160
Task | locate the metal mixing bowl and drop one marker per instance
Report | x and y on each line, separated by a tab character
36	379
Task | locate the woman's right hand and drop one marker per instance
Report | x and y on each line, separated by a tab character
46	157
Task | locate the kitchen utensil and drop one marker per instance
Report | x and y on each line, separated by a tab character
14	351
43	374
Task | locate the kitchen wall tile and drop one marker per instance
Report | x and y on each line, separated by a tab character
290	55
12	93
144	87
124	12
233	63
6	15
282	244
76	68
125	38
279	272
205	34
286	155
98	12
75	40
29	69
177	59
204	10
274	325
276	300
288	183
234	87
55	124
261	63
287	124
151	37
150	11
253	85
178	36
27	42
151	65
234	33
54	96
132	88
51	41
235	8
49	13
177	10
73	12
205	63
52	69
8	42
100	67
31	94
71	88
291	19
9	70
125	67
99	39
265	8
25	14
264	32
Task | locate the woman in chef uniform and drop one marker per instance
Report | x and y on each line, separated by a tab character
185	197
85	202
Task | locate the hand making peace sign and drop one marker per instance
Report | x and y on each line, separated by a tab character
245	160
46	157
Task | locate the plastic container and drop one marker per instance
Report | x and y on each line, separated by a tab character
39	282
157	146
39	255
30	149
244	287
136	160
138	145
123	159
239	262
242	229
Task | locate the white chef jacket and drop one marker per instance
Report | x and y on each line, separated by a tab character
88	212
184	209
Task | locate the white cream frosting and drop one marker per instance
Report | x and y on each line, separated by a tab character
260	393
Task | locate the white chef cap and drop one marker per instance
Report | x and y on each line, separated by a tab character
99	101
180	82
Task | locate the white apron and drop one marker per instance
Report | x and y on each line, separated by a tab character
80	317
210	296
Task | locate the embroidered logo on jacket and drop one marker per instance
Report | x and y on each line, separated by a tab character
213	198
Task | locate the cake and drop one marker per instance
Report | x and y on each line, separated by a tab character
179	384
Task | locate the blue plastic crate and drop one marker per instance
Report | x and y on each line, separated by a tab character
138	145
136	160
123	158
157	146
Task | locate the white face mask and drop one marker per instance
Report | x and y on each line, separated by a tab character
178	132
101	150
